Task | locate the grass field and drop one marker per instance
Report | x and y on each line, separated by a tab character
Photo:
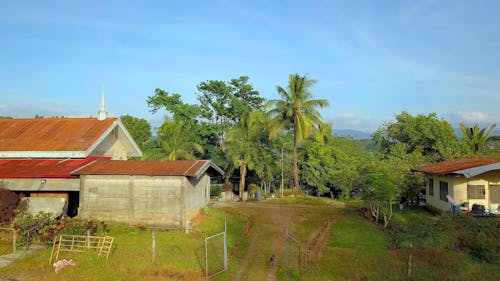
179	256
351	248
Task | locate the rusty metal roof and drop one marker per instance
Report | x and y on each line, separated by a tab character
42	168
188	168
51	134
467	167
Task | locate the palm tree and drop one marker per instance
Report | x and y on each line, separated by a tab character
173	143
243	143
296	111
476	138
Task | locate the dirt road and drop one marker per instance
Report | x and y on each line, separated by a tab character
267	237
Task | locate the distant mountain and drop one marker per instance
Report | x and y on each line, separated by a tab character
355	134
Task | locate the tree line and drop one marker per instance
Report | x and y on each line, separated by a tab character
286	141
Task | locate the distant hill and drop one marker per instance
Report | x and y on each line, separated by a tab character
355	134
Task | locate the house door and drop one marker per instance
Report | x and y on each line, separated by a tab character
495	194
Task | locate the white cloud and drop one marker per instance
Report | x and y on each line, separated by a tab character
470	118
355	122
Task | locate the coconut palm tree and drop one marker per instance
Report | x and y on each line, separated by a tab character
243	143
476	138
296	111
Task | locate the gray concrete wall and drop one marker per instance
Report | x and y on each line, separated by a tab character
152	201
36	184
197	194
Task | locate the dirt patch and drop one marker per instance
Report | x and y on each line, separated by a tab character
266	249
316	245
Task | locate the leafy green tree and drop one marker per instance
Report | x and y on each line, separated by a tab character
296	111
244	144
174	142
225	102
434	138
476	138
139	129
380	191
173	103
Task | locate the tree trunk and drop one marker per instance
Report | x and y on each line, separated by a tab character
296	185
243	174
387	217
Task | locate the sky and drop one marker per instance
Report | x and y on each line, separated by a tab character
371	59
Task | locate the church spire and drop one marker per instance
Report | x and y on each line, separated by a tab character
102	114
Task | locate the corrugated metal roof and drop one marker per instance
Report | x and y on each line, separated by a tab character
188	168
42	168
51	134
460	166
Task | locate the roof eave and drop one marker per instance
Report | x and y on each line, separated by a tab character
43	154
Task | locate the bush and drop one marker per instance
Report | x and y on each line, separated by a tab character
476	237
8	205
215	190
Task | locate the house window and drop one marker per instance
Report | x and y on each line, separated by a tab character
431	187
475	191
443	190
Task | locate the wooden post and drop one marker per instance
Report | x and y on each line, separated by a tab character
153	233
225	243
87	240
206	259
13	241
286	246
409	261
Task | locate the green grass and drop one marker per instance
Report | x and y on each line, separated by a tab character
179	256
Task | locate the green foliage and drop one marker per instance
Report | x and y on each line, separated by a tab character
426	134
215	190
175	141
245	143
296	110
475	138
224	103
173	103
476	237
332	167
8	204
139	129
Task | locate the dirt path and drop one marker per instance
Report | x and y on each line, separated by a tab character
267	237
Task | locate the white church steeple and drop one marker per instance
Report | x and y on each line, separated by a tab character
102	114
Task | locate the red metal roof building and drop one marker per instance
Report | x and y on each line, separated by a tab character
188	168
453	166
43	168
463	182
64	138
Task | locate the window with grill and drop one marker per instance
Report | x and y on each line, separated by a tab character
475	191
443	190
431	187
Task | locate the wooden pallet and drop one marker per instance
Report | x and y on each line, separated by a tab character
81	243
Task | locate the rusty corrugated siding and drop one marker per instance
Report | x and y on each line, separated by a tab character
42	168
448	167
51	134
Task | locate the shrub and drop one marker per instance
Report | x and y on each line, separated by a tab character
8	205
215	190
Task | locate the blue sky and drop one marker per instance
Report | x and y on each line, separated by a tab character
372	59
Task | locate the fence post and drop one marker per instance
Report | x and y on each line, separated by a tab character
13	241
87	240
225	243
153	233
286	246
409	261
206	259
